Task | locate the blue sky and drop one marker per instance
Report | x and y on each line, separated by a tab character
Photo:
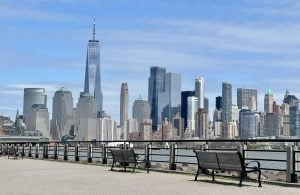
250	44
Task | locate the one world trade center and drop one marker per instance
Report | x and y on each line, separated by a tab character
92	82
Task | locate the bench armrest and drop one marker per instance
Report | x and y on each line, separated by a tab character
257	162
137	156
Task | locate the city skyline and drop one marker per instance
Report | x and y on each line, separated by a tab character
39	42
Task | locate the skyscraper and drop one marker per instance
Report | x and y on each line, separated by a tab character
206	104
199	91
272	124
38	119
247	124
192	109
169	100
184	105
226	102
295	119
156	84
33	96
247	98
62	113
202	124
86	118
92	82
124	108
268	101
140	109
218	103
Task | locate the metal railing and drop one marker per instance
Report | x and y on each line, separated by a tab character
274	155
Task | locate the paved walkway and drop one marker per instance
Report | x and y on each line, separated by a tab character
31	176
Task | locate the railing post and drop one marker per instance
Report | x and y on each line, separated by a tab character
77	152
104	154
90	153
204	147
45	151
291	176
65	151
29	150
17	147
23	150
172	165
147	156
37	147
7	152
55	151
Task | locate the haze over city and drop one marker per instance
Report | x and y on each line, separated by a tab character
248	44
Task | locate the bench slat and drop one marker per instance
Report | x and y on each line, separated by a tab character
207	160
230	161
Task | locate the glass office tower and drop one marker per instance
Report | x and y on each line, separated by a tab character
156	84
92	82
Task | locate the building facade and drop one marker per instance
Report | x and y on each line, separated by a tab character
62	114
124	109
86	118
169	100
38	119
226	102
295	120
268	101
184	105
202	124
199	91
192	109
247	124
141	109
247	98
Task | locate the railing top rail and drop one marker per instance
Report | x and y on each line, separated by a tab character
161	141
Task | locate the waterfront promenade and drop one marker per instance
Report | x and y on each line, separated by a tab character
30	176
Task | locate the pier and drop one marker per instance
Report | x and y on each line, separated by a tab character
32	176
84	167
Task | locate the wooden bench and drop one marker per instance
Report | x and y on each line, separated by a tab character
126	157
225	161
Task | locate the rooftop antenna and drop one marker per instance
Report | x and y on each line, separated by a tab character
94	26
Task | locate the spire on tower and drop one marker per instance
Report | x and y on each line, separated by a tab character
94	26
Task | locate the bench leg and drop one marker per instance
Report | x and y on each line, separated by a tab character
134	167
213	175
198	171
112	165
259	174
148	166
242	175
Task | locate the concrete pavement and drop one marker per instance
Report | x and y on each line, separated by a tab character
31	176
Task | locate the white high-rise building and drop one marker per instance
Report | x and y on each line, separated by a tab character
132	126
199	91
235	113
192	109
123	108
106	129
38	119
